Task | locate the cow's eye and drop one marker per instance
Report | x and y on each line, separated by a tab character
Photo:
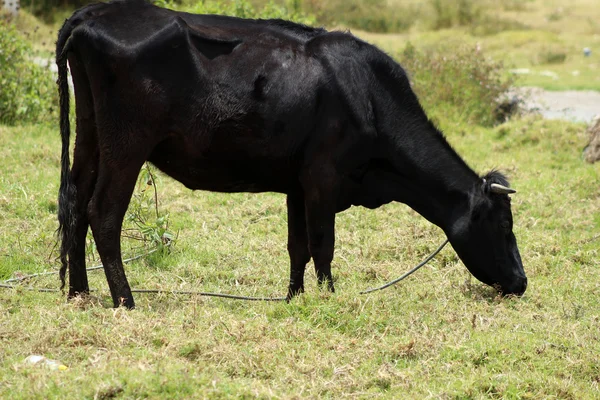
505	225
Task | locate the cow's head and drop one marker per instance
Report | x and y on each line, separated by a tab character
483	237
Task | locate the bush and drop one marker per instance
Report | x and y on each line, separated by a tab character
290	10
515	5
450	13
552	56
462	84
400	15
28	92
367	15
492	25
52	11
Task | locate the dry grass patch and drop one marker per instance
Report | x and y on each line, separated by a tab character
439	334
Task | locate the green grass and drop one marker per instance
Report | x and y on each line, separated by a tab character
438	334
543	36
40	35
535	51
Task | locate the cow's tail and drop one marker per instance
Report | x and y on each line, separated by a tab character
67	195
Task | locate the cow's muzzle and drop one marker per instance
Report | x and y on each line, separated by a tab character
516	288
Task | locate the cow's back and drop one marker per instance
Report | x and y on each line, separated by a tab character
244	120
131	22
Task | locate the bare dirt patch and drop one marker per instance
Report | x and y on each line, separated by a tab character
572	105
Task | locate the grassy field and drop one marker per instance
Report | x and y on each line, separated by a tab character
543	40
439	334
553	61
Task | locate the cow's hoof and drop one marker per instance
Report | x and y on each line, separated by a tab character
293	292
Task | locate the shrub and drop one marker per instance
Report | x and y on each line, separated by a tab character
143	221
28	92
449	13
51	11
492	25
550	56
290	10
462	84
367	15
515	5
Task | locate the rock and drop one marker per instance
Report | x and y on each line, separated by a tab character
591	152
507	107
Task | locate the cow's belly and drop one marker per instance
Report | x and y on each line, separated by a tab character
223	174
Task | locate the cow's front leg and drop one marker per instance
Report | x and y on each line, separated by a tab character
297	242
320	221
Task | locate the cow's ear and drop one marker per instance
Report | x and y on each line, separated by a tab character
212	47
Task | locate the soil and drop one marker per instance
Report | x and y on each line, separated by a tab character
572	105
577	106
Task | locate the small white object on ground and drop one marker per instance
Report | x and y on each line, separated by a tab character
46	362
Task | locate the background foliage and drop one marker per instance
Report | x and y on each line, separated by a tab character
461	85
28	91
289	9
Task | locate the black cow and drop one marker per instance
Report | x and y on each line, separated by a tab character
233	105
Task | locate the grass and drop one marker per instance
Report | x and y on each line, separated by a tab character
40	35
532	52
525	36
440	334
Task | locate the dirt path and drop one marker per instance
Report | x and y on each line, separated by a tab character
573	105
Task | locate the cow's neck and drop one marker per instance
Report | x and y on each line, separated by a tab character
424	172
440	201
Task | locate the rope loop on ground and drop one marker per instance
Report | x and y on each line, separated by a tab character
8	284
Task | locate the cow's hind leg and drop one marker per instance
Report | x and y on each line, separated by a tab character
297	242
83	173
114	186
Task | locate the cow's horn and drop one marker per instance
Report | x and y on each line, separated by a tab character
501	189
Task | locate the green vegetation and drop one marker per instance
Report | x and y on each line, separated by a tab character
367	15
51	11
546	37
542	40
440	324
439	334
462	85
28	91
289	9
